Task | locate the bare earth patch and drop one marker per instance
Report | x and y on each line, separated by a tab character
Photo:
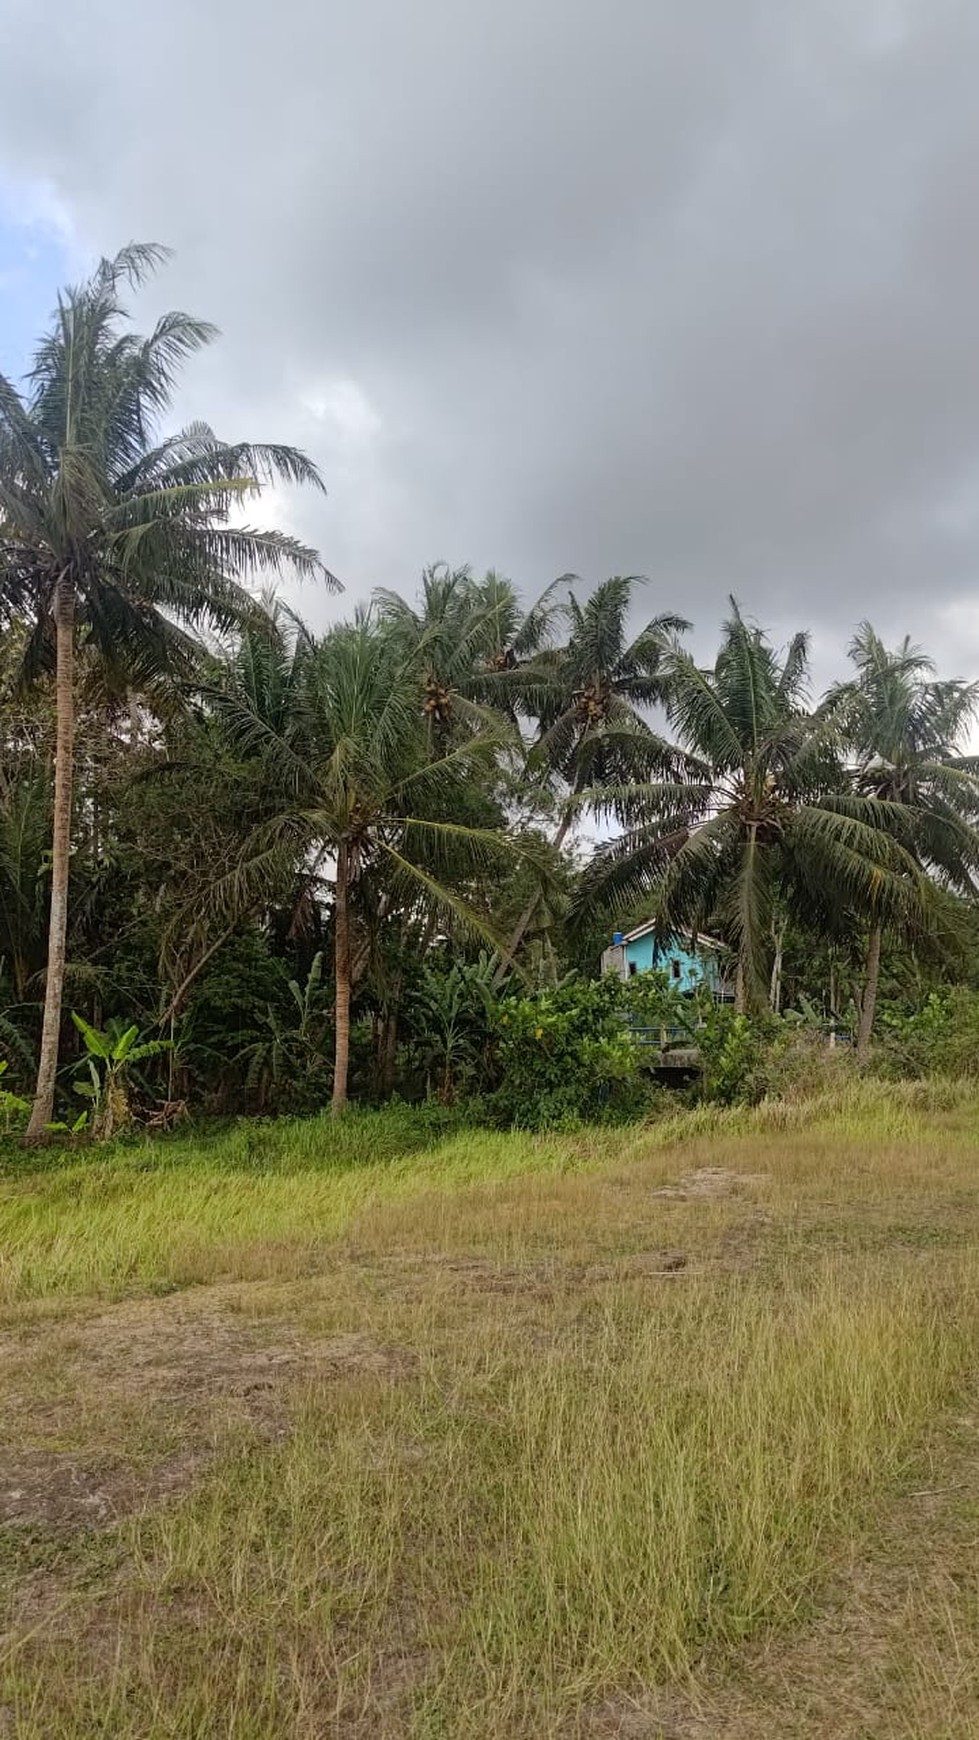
192	1344
167	1364
544	1278
664	1715
710	1181
53	1489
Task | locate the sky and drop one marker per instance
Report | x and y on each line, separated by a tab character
689	290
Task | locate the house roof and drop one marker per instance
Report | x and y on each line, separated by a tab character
709	943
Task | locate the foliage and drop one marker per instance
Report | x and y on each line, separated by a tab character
109	1067
939	1036
905	731
14	1109
731	1049
288	1064
653	999
765	814
451	1015
565	1057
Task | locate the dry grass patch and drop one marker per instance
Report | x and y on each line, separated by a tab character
573	1445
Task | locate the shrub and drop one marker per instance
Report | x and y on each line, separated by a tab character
565	1057
941	1037
799	1064
732	1049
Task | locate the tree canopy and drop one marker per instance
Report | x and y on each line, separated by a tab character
301	866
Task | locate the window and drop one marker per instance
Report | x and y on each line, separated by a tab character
632	969
675	969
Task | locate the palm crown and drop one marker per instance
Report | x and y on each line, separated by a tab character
905	730
592	703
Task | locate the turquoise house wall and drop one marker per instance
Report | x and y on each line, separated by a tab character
644	953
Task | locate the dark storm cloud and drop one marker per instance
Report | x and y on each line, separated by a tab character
685	289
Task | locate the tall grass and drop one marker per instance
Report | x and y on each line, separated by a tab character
261	1199
491	1548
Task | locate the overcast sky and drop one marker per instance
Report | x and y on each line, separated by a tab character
681	287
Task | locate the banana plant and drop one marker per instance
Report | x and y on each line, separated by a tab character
288	1063
451	1014
110	1055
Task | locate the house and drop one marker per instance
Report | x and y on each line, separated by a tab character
687	961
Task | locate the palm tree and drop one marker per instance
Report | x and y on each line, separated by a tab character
904	729
351	775
590	699
471	641
766	816
113	537
518	642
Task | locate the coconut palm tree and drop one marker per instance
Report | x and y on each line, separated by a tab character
351	775
472	642
590	698
904	730
766	817
116	537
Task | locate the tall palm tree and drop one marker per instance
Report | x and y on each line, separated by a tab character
116	537
904	730
765	816
471	640
351	775
590	698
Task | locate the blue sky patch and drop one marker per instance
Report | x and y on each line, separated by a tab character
35	260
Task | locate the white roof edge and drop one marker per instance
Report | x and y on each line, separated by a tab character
707	942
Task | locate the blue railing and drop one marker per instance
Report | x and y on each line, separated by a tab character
663	1037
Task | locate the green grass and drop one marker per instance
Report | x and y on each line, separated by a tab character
435	1435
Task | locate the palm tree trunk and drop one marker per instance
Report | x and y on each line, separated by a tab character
775	987
528	912
740	988
868	1008
341	922
389	1053
64	622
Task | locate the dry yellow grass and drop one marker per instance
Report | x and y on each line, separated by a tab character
657	1432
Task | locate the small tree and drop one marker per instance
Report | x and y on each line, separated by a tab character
110	1058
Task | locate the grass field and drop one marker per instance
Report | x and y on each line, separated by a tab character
384	1431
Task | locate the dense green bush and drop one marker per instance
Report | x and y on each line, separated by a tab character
564	1057
731	1051
941	1037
